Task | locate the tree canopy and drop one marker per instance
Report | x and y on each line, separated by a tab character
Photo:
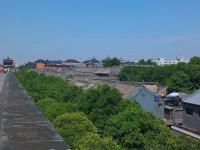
181	77
94	142
111	62
137	129
56	109
147	62
195	60
74	126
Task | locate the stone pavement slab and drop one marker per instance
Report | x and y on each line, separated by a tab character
22	124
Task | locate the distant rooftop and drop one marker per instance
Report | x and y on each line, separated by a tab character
106	59
8	59
40	61
93	60
193	98
139	89
52	62
72	61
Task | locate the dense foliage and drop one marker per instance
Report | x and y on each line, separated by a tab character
100	103
99	118
148	62
195	60
94	141
181	77
140	132
74	126
111	62
58	108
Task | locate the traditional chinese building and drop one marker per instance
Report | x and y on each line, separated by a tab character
40	64
92	63
8	63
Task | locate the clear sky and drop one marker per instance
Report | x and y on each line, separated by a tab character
81	29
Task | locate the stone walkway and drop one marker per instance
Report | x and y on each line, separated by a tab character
22	124
2	79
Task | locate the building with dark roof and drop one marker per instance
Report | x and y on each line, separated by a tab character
73	63
40	61
191	112
30	65
40	64
92	63
8	63
53	62
149	101
106	59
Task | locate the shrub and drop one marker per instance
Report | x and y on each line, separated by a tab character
46	102
73	126
56	109
94	142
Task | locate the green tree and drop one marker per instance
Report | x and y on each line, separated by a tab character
182	143
181	77
148	62
94	142
100	103
73	126
136	129
56	109
111	62
179	82
141	61
40	86
72	93
45	103
195	60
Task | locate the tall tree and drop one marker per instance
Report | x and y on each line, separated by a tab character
195	60
111	62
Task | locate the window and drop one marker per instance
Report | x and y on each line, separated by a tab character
189	111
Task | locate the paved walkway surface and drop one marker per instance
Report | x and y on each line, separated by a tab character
2	79
22	124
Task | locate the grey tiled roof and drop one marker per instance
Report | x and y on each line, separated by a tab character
193	98
140	89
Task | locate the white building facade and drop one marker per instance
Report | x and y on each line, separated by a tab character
163	61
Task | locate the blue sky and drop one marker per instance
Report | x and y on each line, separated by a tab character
81	29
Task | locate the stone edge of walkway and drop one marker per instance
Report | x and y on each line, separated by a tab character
2	92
